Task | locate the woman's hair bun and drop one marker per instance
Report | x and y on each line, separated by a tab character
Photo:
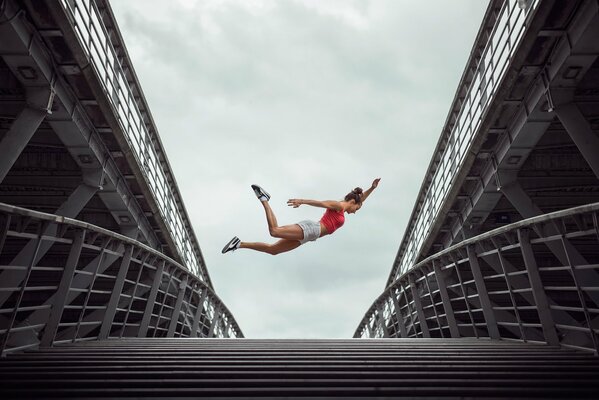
358	190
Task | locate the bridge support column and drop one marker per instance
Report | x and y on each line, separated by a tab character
538	290
145	322
400	322
198	314
381	318
419	309
483	295
60	298
116	293
215	320
39	103
175	316
453	327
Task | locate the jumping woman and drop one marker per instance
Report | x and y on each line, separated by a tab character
293	236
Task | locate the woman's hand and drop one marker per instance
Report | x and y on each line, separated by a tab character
375	183
295	203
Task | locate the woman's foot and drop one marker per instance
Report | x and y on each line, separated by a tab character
232	245
260	193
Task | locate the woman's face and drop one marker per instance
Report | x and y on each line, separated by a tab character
353	207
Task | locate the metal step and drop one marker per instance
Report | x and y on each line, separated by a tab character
258	368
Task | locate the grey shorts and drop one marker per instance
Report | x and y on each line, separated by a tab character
311	230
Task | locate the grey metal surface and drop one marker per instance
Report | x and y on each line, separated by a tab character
246	368
130	289
558	294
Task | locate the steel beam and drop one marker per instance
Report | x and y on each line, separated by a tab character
60	297
198	313
538	289
453	327
177	309
483	295
400	322
419	309
15	140
581	133
143	327
116	293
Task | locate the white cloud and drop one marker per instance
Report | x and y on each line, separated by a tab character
309	99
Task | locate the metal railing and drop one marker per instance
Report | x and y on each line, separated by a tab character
82	282
536	280
480	86
96	42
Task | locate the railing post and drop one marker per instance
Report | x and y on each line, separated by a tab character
116	293
215	319
453	327
198	313
483	295
538	289
419	309
177	309
400	322
382	320
60	298
143	326
24	283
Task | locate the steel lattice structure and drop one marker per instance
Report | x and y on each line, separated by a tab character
503	241
95	241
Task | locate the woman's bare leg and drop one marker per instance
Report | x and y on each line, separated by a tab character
279	247
291	232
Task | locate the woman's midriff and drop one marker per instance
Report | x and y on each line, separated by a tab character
323	230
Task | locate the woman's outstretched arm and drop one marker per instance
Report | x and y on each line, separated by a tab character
330	204
374	185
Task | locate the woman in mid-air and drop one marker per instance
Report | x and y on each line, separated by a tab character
293	236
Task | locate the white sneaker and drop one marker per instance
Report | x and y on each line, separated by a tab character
260	193
232	245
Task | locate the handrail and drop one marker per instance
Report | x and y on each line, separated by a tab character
486	68
125	97
77	281
528	265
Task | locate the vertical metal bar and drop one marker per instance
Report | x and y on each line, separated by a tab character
381	318
509	287
4	226
409	308
60	298
132	299
419	309
430	293
145	321
457	270
116	293
164	298
177	309
13	317
580	295
453	327
538	290
217	313
91	286
483	295
400	322
198	313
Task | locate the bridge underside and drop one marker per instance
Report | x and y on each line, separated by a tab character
213	368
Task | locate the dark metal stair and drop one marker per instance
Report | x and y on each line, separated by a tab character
363	368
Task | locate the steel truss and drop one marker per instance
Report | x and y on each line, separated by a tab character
93	283
510	283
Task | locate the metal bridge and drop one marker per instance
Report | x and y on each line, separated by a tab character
503	241
494	290
95	241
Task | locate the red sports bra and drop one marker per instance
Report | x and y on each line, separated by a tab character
332	220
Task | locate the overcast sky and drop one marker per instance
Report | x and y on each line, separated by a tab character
308	99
